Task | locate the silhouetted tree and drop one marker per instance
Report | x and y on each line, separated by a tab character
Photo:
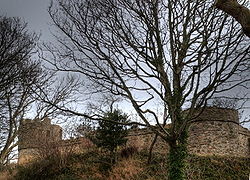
16	47
21	81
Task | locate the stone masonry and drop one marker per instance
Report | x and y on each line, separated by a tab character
40	138
34	134
216	131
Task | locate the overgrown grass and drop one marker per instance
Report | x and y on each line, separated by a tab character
218	168
95	165
7	172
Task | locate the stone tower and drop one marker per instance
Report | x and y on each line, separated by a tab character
217	132
33	135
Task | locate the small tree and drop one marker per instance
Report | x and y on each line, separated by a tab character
110	135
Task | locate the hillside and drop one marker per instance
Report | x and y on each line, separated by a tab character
94	165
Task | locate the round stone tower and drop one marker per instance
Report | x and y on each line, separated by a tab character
215	132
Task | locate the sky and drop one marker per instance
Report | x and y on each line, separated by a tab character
34	12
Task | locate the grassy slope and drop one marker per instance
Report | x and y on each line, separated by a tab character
95	166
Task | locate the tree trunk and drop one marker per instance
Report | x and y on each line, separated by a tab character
177	157
239	12
3	156
5	152
151	149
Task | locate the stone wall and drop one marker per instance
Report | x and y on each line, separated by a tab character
40	138
143	138
244	142
213	138
34	134
75	145
216	131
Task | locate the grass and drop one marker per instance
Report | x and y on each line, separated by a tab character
7	172
95	165
214	168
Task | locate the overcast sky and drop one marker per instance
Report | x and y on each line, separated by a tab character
34	12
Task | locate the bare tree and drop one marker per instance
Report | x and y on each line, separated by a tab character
175	53
15	105
236	10
16	46
17	74
20	77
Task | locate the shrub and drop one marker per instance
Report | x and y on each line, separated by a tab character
51	168
127	169
128	151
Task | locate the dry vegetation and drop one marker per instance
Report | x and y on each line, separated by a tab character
95	165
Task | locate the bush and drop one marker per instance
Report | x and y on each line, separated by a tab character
95	165
48	169
129	169
7	171
213	168
128	151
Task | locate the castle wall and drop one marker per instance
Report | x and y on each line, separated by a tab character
27	155
216	131
77	145
244	142
214	138
143	138
40	139
34	134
